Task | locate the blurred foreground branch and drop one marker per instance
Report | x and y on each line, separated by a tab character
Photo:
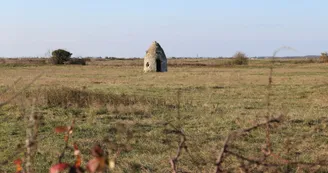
20	91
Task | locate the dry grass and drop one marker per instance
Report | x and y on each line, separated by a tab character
215	99
23	61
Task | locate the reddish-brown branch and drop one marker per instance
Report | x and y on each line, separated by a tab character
273	120
238	133
268	151
69	131
258	162
174	160
267	164
221	154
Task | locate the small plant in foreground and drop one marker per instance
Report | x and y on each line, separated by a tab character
97	164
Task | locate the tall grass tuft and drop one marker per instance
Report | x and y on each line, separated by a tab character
66	96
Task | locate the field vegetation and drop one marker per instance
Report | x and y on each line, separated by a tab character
177	121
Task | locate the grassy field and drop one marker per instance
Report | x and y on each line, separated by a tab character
204	97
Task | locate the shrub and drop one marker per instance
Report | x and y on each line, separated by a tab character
240	59
87	59
324	57
76	61
59	56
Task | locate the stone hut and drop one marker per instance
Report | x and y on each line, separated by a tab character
155	59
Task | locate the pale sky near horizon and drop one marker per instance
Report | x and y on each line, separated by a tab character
126	28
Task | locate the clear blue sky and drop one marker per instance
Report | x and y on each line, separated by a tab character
126	28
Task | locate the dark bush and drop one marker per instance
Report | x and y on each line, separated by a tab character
59	56
240	58
76	61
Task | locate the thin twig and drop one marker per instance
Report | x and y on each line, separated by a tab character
272	120
69	131
271	72
195	162
258	162
21	91
185	147
223	150
181	146
8	88
267	151
31	140
238	133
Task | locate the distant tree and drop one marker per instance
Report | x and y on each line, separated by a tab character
324	57
240	58
60	56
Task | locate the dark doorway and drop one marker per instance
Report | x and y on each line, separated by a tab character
158	65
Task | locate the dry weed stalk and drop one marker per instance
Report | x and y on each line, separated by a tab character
69	131
183	139
174	160
31	130
182	145
118	144
31	139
